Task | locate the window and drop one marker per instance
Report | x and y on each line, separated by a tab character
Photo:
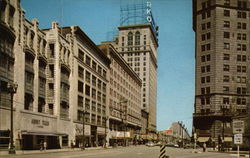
203	69
203	26
239	36
81	55
227	24
202	90
208	25
208	14
208	68
238	57
225	67
208	47
227	46
203	59
226	34
243	79
227	2
227	13
225	78
88	60
203	47
137	38
208	36
87	77
202	79
80	101
225	100
208	57
238	79
80	72
207	100
226	57
225	89
80	86
241	47
87	90
130	39
241	15
203	15
203	5
208	79
203	37
11	15
2	10
202	101
244	36
208	90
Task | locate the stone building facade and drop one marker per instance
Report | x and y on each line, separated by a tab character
222	42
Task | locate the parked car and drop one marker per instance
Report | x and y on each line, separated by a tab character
158	144
150	144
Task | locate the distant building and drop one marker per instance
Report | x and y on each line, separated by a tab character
222	46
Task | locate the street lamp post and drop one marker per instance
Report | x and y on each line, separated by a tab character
12	88
83	129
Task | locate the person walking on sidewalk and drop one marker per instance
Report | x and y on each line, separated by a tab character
41	145
44	146
204	147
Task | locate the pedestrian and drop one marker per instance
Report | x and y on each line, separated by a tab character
41	145
72	145
44	146
204	147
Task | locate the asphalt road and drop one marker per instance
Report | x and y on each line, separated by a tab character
127	152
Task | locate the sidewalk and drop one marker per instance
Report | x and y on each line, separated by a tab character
242	153
20	152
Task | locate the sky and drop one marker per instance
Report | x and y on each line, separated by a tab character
176	54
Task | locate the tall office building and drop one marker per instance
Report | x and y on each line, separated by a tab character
222	42
137	42
138	46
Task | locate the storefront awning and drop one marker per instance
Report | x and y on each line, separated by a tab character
228	139
42	133
202	139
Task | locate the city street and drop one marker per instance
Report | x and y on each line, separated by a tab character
127	152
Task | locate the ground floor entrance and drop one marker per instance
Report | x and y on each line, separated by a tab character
34	142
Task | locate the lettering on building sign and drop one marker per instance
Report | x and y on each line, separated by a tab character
46	123
149	13
38	122
34	121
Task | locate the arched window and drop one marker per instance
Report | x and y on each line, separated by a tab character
130	39
137	38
